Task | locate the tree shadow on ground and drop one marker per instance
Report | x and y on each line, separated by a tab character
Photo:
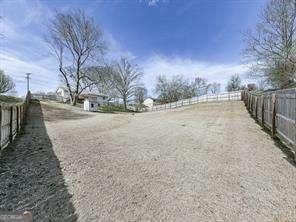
289	155
52	113
30	174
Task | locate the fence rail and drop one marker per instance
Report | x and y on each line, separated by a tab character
226	96
12	118
275	110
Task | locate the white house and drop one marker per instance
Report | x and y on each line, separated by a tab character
93	101
90	104
149	102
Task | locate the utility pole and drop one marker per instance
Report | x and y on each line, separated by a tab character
28	81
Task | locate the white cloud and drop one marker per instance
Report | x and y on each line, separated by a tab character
115	49
152	2
23	48
169	66
24	13
7	29
44	73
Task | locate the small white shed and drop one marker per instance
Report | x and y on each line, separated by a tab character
90	104
148	102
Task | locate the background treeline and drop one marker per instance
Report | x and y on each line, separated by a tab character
79	47
177	87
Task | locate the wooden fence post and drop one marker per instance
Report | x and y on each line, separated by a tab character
256	108
273	120
262	111
295	135
11	124
0	127
247	101
21	116
250	102
17	118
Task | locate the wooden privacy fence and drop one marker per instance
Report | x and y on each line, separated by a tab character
12	118
275	110
226	96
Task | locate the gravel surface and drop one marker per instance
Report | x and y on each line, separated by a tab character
208	162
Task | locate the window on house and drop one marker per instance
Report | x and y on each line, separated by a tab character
92	105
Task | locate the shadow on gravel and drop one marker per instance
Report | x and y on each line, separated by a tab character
30	174
289	156
286	150
53	114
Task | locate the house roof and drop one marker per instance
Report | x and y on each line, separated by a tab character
151	98
91	95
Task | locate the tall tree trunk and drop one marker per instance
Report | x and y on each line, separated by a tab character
74	100
124	104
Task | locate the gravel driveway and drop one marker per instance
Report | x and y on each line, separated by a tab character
208	162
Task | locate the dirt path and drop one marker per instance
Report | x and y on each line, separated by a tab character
209	162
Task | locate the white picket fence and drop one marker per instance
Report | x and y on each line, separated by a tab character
226	96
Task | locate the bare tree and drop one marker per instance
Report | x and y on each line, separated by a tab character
6	83
104	84
76	41
201	86
214	87
188	89
272	48
140	94
234	83
173	89
168	90
125	79
162	88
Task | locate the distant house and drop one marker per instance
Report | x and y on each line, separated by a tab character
99	98
93	101
149	102
63	94
90	104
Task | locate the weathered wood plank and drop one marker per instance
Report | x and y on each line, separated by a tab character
278	112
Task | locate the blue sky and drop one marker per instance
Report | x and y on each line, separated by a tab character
193	38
